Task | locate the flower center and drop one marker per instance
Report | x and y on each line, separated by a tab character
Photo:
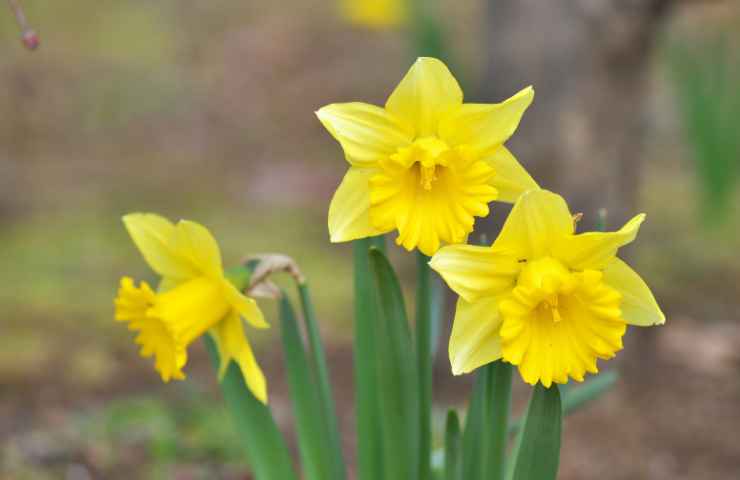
557	322
426	157
430	193
546	280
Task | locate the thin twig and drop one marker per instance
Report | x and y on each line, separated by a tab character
28	35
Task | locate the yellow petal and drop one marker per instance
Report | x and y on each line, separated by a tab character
475	340
232	344
474	272
425	95
246	306
349	211
510	178
367	133
132	306
638	303
485	126
191	308
595	249
537	219
196	243
155	237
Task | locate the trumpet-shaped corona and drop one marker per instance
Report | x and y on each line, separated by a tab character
194	298
427	164
543	298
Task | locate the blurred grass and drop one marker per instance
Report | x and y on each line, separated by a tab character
146	437
706	74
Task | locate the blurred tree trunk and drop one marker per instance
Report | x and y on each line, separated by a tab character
588	61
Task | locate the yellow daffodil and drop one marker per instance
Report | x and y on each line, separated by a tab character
194	297
374	13
542	297
427	164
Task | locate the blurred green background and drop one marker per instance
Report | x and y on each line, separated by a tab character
204	110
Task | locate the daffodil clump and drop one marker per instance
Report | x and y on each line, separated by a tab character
542	297
425	165
193	297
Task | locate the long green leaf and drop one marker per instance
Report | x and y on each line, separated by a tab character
453	445
424	329
326	398
474	437
538	456
399	401
498	403
265	447
311	429
369	446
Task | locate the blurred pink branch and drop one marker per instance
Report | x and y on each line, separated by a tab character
28	35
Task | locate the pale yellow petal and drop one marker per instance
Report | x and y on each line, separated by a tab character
349	211
425	95
510	178
246	306
595	249
367	133
537	219
155	237
485	126
475	340
196	243
638	303
474	272
232	344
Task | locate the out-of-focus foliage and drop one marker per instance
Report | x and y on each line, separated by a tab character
707	76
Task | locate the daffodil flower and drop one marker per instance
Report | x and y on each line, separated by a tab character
427	164
543	298
374	13
194	297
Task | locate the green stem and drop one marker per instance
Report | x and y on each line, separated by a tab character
424	362
265	447
327	399
499	407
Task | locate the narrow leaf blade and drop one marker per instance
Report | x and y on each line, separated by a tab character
498	403
264	444
326	399
369	452
424	334
396	375
453	446
538	457
304	395
474	434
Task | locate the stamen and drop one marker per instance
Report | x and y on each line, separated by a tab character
555	314
552	303
428	175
